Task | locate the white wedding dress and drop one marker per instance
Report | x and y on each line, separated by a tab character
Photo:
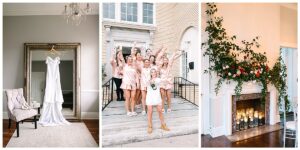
53	99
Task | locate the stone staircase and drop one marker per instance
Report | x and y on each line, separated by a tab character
119	129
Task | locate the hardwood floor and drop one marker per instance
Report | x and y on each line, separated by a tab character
272	139
92	125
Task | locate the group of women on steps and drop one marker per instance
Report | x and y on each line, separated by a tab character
144	80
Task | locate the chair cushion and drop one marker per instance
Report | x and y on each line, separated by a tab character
291	125
21	114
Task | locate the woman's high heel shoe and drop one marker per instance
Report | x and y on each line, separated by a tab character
164	127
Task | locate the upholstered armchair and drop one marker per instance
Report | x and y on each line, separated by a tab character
18	109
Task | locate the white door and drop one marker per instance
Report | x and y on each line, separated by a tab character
38	86
190	44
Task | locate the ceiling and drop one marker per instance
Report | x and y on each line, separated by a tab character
26	9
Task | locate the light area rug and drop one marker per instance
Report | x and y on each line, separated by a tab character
73	135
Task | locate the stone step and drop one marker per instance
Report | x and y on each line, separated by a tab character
137	134
118	129
140	117
119	108
126	126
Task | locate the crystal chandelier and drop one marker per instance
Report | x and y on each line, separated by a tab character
74	14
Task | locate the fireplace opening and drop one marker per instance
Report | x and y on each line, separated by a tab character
249	111
249	114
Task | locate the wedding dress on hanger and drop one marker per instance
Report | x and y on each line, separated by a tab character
53	99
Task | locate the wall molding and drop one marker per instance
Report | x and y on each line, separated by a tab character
89	115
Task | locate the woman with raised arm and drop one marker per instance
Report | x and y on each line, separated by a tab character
129	85
165	74
153	98
160	57
117	62
150	53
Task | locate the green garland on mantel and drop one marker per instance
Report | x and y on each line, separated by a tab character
239	63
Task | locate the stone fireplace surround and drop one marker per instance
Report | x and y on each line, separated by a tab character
225	97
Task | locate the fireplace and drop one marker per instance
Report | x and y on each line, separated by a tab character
248	111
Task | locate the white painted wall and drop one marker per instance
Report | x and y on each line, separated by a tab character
246	20
34	29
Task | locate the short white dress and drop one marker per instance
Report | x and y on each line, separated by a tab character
153	96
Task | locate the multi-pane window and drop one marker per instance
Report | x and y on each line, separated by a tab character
148	13
109	10
129	12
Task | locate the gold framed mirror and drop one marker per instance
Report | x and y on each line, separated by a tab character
36	70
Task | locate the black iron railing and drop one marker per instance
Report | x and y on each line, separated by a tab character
107	93
186	90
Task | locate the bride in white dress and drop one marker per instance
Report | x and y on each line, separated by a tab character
53	99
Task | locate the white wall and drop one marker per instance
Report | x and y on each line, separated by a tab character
43	29
246	20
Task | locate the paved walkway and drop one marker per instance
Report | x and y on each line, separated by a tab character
119	130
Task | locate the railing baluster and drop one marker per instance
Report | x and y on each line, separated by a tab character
179	82
174	87
112	89
194	93
185	90
107	91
